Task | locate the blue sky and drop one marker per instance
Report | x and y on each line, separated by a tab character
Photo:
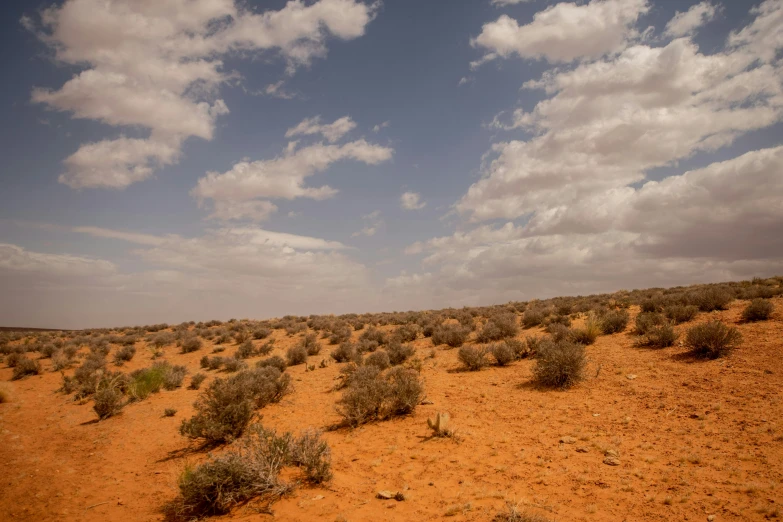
447	153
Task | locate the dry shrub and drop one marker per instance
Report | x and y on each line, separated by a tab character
558	331
379	359
374	334
246	350
559	364
296	355
196	380
407	333
757	310
520	348
191	344
473	358
273	362
512	513
614	321
398	352
162	339
588	333
646	321
25	367
109	398
341	333
712	340
498	327
47	350
124	354
372	395
679	313
659	336
261	333
232	364
533	317
453	335
249	470
503	353
226	407
266	348
711	298
344	353
173	376
310	344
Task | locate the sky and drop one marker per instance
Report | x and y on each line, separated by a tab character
172	160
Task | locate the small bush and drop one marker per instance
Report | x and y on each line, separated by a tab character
678	313
48	350
407	333
452	335
109	399
261	333
174	376
124	354
25	367
757	310
169	412
60	361
473	358
147	381
344	353
398	352
588	333
558	331
371	395
379	359
646	321
659	336
374	334
503	353
311	344
614	321
296	355
232	364
405	390
498	327
273	362
559	365
246	350
196	380
533	317
266	348
162	339
312	454
711	298
191	344
521	349
513	514
712	340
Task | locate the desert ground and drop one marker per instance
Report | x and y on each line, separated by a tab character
648	434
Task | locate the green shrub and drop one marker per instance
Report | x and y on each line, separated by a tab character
587	334
757	310
453	335
614	321
473	358
712	340
559	365
146	381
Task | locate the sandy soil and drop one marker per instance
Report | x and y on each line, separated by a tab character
694	439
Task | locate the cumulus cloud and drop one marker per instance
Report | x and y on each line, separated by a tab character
412	201
688	22
241	192
563	32
332	131
373	223
158	66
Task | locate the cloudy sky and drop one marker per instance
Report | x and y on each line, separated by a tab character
169	160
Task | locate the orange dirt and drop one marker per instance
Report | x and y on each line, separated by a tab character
695	438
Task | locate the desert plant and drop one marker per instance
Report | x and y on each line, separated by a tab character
758	310
533	317
344	353
174	376
124	354
246	350
191	344
559	365
274	362
558	331
498	327
311	344
614	321
196	380
109	398
398	352
646	321
512	513
679	313
371	395
340	334
25	367
659	336
473	358
405	390
712	340
374	334
588	333
162	339
379	359
169	412
261	333
232	364
311	452
711	298
453	335
503	353
296	355
520	348
407	333
266	348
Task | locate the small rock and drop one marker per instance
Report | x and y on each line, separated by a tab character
567	440
711	518
611	453
318	497
596	414
581	449
385	495
612	461
630	376
427	401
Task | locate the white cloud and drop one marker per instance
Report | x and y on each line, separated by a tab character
411	201
332	132
19	261
502	3
686	23
278	90
280	178
158	66
564	32
374	222
253	210
378	127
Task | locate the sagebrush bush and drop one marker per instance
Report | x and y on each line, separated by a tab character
679	313
246	350
503	353
614	321
558	331
520	348
25	367
261	333
659	336
225	408
587	334
296	355
711	298
191	344
473	358
266	348
499	326
374	334
646	321
174	376
273	362
712	340
196	380
162	339
372	395
109	398
232	364
453	335
757	310
559	365
407	333
311	344
533	317
379	359
398	352
124	354
311	453
344	353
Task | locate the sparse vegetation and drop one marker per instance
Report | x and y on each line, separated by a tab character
503	353
473	358
559	364
296	355
711	298
758	310
679	313
453	335
24	367
614	321
374	395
